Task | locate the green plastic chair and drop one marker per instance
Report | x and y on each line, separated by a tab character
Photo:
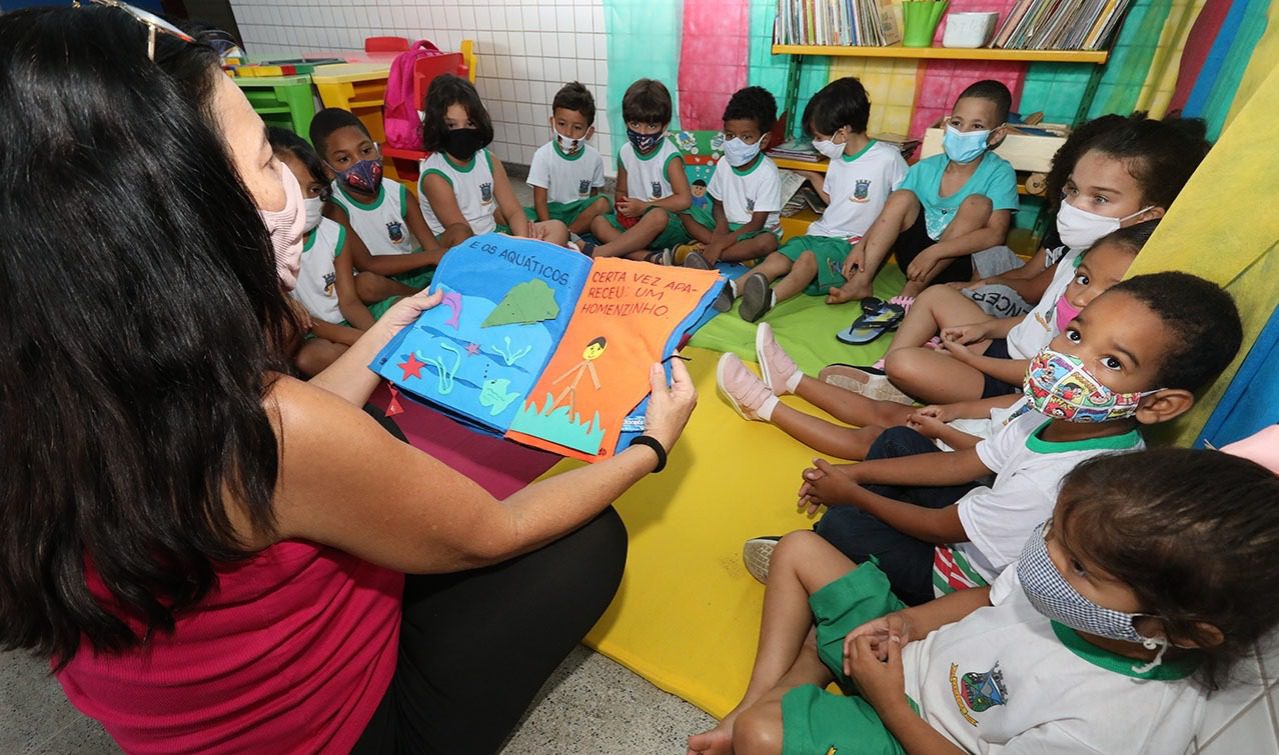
284	101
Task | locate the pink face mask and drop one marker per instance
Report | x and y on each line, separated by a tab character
287	227
1065	313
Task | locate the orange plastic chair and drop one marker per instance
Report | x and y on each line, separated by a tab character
385	44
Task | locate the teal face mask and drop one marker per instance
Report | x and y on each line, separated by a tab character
964	146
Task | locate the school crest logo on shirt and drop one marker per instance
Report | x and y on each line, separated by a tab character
486	192
750	205
976	691
656	188
584	187
861	190
395	231
330	280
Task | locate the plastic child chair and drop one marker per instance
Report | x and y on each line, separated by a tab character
385	44
919	21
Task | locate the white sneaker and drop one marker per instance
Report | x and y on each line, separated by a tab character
757	554
868	384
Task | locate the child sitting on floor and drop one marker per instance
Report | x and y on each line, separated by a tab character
949	206
746	192
652	187
1134	357
1159	155
462	187
1155	574
396	243
567	173
1101	268
327	287
1127	173
861	175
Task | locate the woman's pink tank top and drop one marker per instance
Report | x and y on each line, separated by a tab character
291	652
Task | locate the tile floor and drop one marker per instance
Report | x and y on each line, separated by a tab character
590	705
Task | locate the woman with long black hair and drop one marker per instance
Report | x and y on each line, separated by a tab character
213	554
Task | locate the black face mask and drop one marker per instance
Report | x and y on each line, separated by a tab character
463	143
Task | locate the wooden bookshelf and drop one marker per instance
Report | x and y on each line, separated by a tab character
947	53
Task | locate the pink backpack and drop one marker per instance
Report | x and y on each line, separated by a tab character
400	113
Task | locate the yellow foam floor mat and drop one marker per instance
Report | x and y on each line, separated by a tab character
687	615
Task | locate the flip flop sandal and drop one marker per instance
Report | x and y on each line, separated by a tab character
660	257
871	325
872	303
586	247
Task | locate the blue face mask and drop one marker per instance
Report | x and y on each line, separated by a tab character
964	147
642	142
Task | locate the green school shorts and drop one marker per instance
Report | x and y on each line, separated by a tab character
706	219
816	721
379	308
565	212
671	236
418	279
830	252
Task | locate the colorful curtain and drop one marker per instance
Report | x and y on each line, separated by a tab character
1202	35
713	57
643	42
1204	234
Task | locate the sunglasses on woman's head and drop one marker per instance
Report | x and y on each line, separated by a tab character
153	23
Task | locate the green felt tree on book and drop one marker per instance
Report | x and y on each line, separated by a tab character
531	301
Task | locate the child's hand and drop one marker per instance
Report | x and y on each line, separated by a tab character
927	423
921	268
855	262
881	682
631	207
965	333
536	231
713	250
958	350
824	484
879	631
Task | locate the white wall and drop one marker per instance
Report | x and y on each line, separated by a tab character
525	50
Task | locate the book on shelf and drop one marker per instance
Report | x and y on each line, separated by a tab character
1061	24
796	149
866	23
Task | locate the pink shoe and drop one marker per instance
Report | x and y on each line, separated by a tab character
904	302
746	393
775	365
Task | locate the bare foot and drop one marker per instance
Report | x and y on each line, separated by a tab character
717	741
845	294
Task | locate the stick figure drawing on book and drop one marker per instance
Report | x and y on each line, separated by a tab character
593	351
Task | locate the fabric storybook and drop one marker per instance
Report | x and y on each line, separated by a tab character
544	345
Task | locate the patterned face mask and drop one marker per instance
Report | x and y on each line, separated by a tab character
1054	597
642	142
1059	386
365	176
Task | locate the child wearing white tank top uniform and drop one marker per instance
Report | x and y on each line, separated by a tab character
395	240
463	189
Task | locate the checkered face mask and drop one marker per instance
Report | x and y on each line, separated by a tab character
1051	595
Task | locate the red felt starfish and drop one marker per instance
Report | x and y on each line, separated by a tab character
411	367
472	348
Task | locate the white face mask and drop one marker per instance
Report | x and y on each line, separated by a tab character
738	152
568	145
1080	229
314	212
286	229
828	148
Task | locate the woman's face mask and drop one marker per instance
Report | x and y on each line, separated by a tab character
287	226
